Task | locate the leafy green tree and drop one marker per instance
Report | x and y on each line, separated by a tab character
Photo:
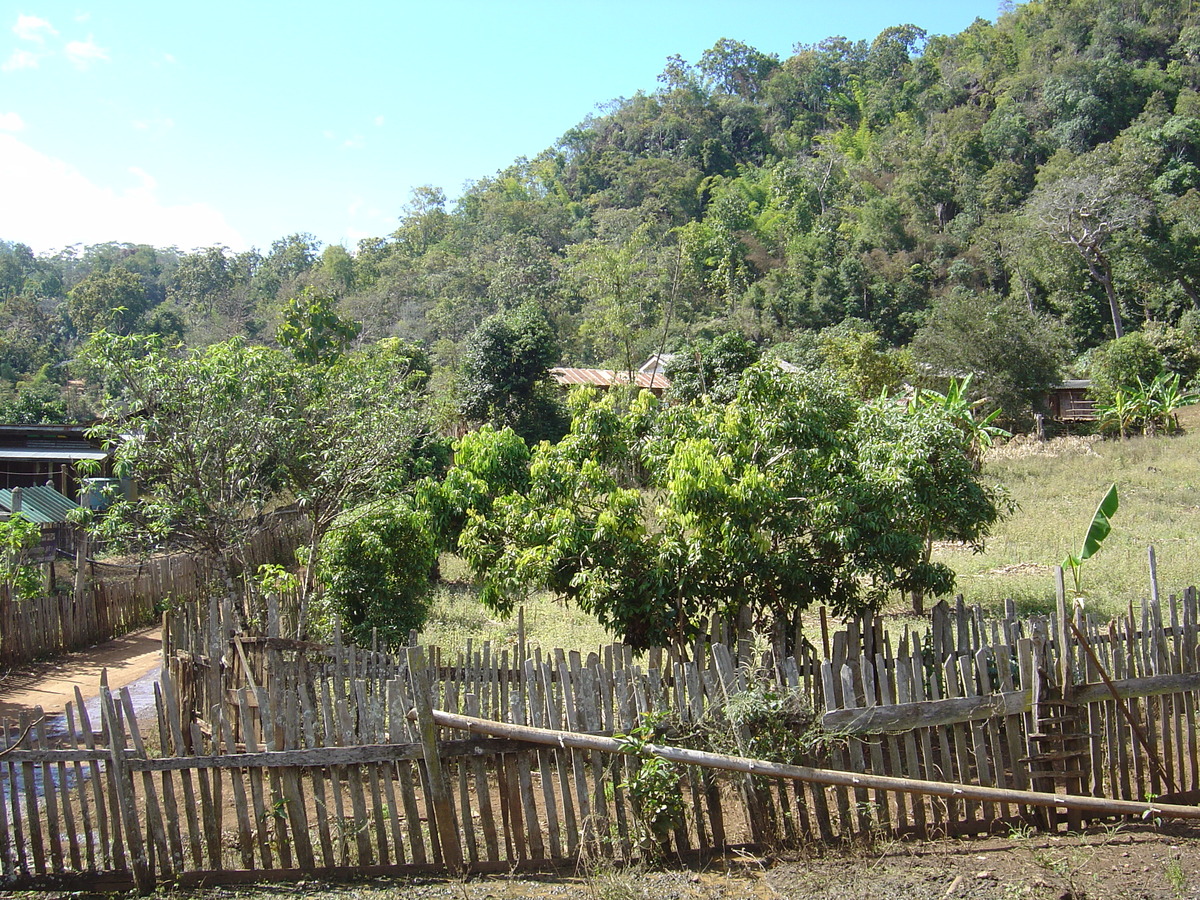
863	361
975	422
35	401
711	367
1011	355
738	69
19	577
114	300
362	434
653	519
377	570
619	279
29	339
488	463
312	331
1121	364
1084	210
226	433
505	371
214	427
338	266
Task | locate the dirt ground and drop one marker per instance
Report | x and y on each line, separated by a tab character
52	683
1133	862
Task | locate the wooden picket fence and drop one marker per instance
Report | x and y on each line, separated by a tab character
268	757
107	599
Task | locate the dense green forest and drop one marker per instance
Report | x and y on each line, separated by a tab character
1000	202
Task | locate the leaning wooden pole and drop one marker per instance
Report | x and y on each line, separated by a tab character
573	740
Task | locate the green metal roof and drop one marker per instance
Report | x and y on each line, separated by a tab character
40	504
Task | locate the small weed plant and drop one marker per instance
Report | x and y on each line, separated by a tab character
654	788
1176	876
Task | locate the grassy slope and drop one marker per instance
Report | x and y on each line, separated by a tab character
457	616
1159	485
1056	488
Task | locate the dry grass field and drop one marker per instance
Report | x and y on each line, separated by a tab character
1056	487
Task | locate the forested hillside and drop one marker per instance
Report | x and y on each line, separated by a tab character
996	202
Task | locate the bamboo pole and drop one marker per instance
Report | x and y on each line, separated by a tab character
565	739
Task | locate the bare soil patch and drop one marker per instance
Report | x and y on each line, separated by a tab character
51	684
1131	862
1020	569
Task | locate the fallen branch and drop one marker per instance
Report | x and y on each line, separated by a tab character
573	740
24	734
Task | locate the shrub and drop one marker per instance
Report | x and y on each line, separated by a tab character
1121	364
377	571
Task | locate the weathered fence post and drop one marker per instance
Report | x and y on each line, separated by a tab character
123	782
447	825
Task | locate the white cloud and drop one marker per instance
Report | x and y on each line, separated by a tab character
158	125
354	143
20	59
378	121
33	28
49	205
149	182
11	122
84	53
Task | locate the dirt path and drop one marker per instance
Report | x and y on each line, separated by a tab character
51	684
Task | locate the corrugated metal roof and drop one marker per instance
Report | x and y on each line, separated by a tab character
58	455
40	504
607	378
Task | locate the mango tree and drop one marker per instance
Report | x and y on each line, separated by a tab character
654	519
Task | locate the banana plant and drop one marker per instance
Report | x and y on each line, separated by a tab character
1096	533
980	432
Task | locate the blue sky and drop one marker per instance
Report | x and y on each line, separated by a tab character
239	123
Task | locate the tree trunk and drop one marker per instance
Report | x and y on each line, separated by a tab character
1190	290
1101	270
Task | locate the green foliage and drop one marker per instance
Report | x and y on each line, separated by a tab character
653	786
654	518
978	429
779	725
20	578
311	329
488	463
224	434
214	427
1121	364
711	368
860	358
114	299
34	401
504	373
1011	355
377	573
1147	408
1097	531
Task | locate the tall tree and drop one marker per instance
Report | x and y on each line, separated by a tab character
504	374
113	299
222	435
1084	210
